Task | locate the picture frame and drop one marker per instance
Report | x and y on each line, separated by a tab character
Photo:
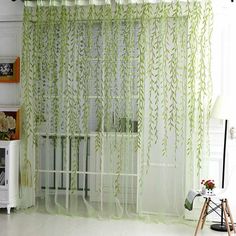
9	70
13	111
16	115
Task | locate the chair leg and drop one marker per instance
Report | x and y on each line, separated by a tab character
205	213
226	217
230	215
200	220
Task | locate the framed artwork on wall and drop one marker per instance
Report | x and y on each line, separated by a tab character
9	122
9	70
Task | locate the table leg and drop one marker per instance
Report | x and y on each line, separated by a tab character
199	224
205	213
230	215
226	217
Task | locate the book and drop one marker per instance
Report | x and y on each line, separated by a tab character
2	178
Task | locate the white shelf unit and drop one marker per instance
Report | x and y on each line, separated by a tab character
9	174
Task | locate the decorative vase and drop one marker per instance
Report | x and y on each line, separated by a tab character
209	191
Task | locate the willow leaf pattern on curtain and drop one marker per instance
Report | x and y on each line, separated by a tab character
100	85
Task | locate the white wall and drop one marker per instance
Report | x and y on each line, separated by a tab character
228	81
11	11
11	14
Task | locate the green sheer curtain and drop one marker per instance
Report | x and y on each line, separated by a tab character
101	84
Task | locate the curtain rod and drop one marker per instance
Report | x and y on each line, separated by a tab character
36	0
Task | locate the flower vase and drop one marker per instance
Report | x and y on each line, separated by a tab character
209	191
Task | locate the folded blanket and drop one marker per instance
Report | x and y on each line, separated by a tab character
189	200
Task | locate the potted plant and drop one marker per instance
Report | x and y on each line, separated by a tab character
208	186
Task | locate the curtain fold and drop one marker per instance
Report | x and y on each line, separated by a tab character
105	89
